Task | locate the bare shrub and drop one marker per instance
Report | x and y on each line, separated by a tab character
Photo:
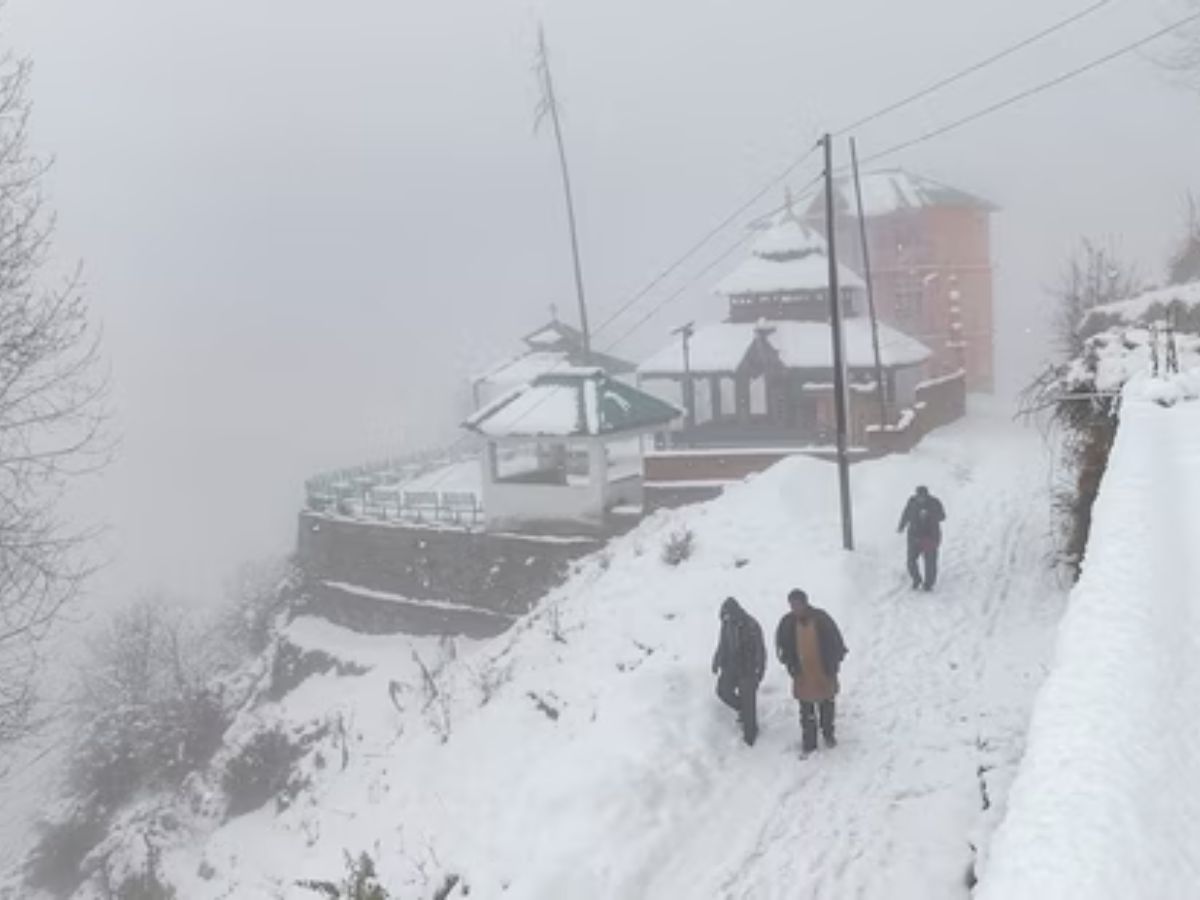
260	596
360	882
490	679
436	707
678	547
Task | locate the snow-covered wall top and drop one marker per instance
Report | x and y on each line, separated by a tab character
1147	307
1107	801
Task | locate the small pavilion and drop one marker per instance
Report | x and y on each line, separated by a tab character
547	349
764	376
564	453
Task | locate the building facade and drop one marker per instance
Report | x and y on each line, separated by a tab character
931	265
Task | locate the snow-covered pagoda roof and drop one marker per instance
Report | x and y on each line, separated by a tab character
891	191
580	402
549	349
720	348
789	257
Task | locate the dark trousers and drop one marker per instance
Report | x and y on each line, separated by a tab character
742	695
809	713
929	551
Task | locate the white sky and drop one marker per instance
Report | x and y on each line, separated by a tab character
303	224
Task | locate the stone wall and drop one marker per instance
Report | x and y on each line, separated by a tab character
378	574
940	401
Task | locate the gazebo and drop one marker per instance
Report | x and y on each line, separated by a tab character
547	349
563	453
764	376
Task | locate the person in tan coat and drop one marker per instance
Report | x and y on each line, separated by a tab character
810	646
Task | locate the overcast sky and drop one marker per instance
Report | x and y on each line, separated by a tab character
304	224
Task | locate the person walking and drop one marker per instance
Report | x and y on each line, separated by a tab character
922	517
738	663
810	646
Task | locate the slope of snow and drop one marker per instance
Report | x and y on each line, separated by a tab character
1107	803
584	755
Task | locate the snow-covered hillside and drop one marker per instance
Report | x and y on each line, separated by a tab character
1107	804
584	755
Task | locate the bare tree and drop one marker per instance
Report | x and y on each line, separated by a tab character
1094	275
52	411
1182	58
1184	265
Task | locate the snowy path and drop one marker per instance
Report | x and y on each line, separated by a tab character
936	686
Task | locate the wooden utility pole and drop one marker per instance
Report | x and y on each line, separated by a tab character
866	255
689	390
839	370
548	106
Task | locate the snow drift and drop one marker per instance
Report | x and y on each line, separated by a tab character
1107	802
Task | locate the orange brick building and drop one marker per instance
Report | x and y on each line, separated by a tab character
931	265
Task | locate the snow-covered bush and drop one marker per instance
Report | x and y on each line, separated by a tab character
56	863
146	712
261	770
1150	338
678	547
146	884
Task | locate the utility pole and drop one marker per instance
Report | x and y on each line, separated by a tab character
548	106
689	390
839	371
866	255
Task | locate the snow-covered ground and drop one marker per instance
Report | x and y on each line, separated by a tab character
584	755
1107	803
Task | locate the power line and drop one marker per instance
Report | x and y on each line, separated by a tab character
1036	89
775	181
975	67
784	173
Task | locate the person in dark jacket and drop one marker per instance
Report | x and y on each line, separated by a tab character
738	663
922	517
810	646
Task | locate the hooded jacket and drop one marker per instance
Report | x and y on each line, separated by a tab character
740	651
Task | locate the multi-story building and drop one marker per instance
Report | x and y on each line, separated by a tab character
931	266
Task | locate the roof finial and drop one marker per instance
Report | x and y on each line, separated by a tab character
554	313
788	201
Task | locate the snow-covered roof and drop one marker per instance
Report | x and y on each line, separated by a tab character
550	348
789	257
1142	308
522	369
894	190
572	402
790	237
721	347
760	275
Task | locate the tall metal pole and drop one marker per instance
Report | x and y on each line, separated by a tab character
839	373
549	107
866	254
